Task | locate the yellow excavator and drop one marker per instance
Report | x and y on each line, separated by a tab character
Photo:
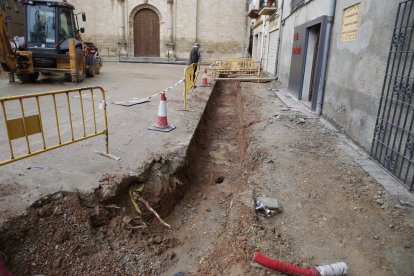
51	44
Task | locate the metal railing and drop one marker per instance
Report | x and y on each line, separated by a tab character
29	129
393	139
235	67
268	3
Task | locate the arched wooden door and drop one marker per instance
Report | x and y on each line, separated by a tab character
146	34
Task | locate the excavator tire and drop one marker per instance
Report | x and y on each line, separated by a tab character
68	77
28	77
80	76
98	64
90	62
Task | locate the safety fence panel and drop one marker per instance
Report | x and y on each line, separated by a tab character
190	78
236	67
36	123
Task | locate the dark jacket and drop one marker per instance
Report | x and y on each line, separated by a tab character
194	56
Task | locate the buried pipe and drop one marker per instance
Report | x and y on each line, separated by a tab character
336	269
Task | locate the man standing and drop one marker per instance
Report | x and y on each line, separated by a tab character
194	57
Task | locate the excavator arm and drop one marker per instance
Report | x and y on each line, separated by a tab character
7	54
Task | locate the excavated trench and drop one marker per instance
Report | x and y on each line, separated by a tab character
102	234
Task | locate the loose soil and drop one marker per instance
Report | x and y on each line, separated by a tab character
246	145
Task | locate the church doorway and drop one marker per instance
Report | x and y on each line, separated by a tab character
146	34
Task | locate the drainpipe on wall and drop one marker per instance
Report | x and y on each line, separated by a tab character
279	41
331	14
263	35
248	32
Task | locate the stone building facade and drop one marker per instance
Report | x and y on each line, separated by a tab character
351	61
14	16
265	24
323	66
166	29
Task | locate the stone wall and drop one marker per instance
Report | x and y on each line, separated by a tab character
101	26
220	26
14	16
185	27
356	69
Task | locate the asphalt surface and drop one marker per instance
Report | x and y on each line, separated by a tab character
76	167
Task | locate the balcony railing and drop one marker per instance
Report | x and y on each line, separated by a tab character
262	7
269	7
268	3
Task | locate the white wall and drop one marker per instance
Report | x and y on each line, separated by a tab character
313	10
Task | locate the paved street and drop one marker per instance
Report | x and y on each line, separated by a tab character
76	167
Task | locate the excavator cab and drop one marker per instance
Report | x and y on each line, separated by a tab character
49	26
52	43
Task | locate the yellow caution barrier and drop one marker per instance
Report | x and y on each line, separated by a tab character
41	122
235	67
190	77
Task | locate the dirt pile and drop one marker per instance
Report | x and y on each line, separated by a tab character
65	233
99	233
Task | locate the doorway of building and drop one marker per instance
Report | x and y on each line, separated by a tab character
146	34
312	50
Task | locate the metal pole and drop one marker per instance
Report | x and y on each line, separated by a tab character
8	135
40	121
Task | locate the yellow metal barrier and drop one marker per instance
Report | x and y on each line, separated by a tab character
190	78
235	67
39	129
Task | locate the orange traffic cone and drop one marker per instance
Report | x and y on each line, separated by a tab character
204	82
161	123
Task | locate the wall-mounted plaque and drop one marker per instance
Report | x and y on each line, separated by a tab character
350	23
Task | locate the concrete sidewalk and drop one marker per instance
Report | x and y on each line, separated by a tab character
76	167
361	157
